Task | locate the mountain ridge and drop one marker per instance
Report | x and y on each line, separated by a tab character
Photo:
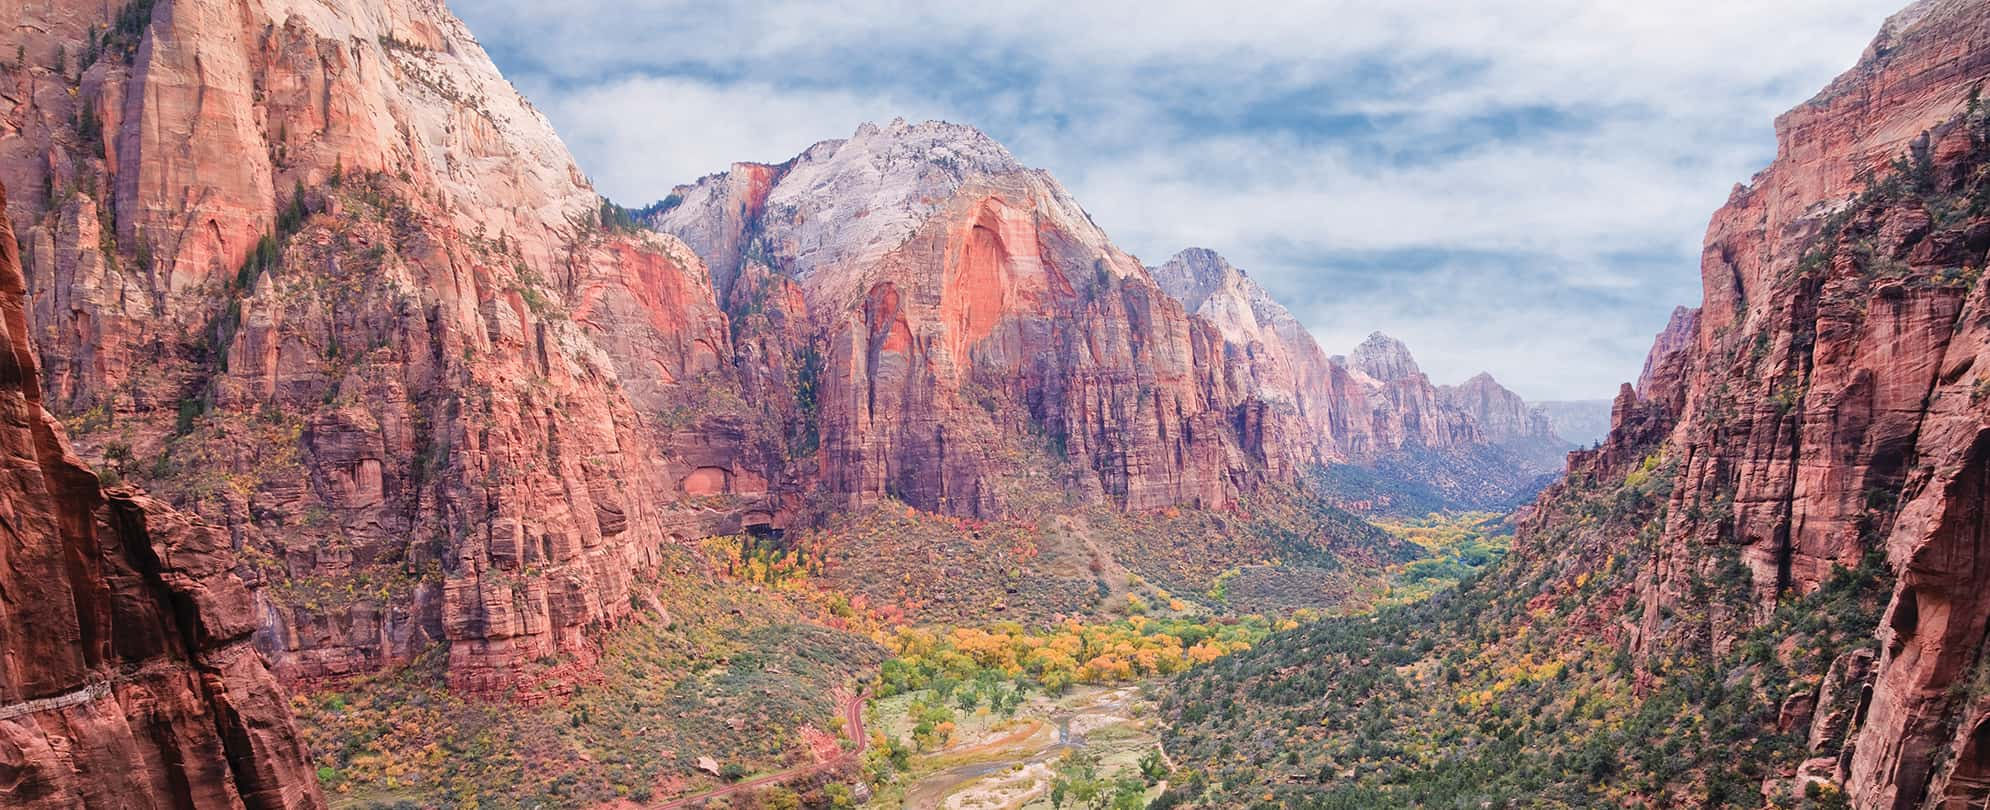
873	218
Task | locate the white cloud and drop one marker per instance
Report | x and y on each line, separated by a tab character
1504	155
640	136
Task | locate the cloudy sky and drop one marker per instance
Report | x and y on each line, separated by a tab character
1519	187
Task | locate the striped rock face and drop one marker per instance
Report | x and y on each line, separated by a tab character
318	275
966	309
127	677
1828	401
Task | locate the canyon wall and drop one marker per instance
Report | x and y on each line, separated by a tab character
1477	445
966	311
127	674
1377	403
1522	429
318	275
1831	400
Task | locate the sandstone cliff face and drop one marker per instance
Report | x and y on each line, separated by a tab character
1378	404
1478	445
1409	406
127	676
1681	332
317	274
1830	398
1507	420
964	309
1287	367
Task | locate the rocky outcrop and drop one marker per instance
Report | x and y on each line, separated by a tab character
318	275
1506	420
1829	401
1408	404
127	677
1474	446
1679	334
967	313
1286	366
1352	411
966	309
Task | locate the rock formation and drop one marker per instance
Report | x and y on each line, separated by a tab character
1378	407
1286	367
1499	413
318	275
1829	400
966	307
1679	333
1413	408
1375	405
127	676
1508	421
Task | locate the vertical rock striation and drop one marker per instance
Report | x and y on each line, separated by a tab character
966	309
1831	399
317	274
127	676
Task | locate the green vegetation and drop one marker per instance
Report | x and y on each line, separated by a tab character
615	218
1280	551
1460	546
805	433
1092	746
1417	481
973	665
1516	690
949	699
1363	489
725	670
1080	785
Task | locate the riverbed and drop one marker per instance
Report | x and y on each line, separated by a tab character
1009	764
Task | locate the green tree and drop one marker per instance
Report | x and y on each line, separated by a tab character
781	798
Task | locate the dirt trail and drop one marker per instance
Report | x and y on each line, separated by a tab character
853	720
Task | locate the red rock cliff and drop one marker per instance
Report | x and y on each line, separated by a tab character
317	274
1508	421
127	676
1829	400
969	312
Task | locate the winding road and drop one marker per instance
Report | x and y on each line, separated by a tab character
853	722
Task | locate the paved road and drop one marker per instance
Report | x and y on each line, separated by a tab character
853	722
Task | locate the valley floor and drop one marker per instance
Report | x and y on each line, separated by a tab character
1017	762
736	686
